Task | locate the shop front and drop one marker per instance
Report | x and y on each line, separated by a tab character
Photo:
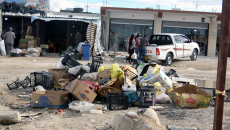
197	32
121	30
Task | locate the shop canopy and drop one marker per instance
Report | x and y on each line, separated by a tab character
87	20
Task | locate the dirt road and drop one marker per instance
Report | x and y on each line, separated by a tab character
11	68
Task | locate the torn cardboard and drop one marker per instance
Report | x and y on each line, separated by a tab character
112	86
163	79
81	91
63	83
50	99
153	72
190	96
59	74
103	76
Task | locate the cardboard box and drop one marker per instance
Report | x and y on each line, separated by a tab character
190	96
184	81
59	74
29	37
112	86
116	83
153	70
51	99
163	79
23	45
44	46
32	43
23	40
63	83
81	91
103	76
93	85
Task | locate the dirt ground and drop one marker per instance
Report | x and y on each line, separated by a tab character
12	68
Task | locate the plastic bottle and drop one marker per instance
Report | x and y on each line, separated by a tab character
95	111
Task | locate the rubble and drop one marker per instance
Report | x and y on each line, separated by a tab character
9	117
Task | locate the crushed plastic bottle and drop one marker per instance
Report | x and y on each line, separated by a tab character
93	111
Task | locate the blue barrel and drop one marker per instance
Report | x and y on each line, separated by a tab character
86	51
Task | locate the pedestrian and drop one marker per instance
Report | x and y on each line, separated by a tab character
3	33
137	43
143	43
131	47
9	40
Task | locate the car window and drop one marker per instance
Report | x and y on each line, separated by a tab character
161	40
177	39
184	39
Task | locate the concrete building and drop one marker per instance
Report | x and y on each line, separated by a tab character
119	23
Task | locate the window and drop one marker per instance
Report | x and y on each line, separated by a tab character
184	39
160	40
177	39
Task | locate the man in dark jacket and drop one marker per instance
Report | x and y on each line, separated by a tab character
9	40
143	43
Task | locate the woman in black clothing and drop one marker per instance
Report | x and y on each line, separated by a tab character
132	44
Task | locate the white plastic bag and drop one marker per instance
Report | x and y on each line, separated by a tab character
58	64
39	88
83	106
134	56
2	47
79	46
129	87
93	76
74	70
86	68
93	111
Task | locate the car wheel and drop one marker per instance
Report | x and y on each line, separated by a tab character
194	55
168	61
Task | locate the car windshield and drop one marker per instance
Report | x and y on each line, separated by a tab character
160	40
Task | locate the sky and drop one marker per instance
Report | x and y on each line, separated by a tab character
94	5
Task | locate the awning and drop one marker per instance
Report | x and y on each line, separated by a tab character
94	20
185	25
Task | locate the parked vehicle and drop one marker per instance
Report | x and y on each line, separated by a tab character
166	47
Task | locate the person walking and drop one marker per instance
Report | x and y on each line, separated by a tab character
3	33
143	43
137	43
131	47
9	40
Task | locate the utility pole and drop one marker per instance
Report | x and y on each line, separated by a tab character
87	7
222	65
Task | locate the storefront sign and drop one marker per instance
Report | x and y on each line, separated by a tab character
38	4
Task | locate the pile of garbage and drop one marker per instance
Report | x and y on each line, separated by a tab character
30	52
82	87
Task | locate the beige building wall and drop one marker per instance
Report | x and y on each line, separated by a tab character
212	39
107	27
157	25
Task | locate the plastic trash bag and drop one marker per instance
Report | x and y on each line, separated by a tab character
86	68
83	106
74	70
134	56
2	47
33	50
115	71
93	76
129	87
16	51
79	46
102	68
39	88
58	64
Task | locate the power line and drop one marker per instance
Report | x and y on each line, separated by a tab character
55	4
